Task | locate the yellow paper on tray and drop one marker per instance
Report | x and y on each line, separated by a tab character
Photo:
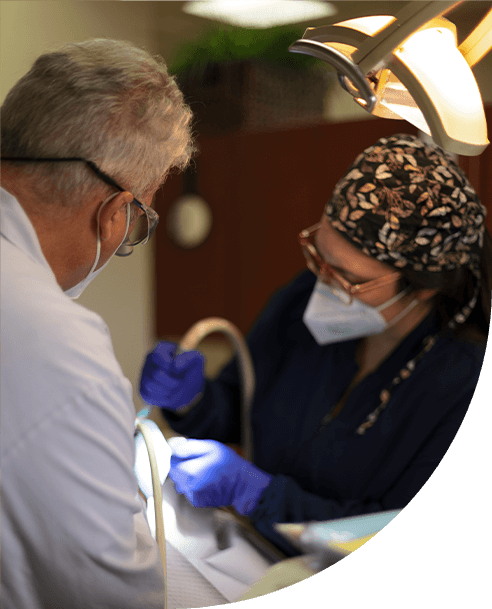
349	546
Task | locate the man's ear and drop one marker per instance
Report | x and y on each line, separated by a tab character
113	216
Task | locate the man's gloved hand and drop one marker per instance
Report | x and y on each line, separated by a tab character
171	381
211	474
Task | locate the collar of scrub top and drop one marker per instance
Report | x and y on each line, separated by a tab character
152	216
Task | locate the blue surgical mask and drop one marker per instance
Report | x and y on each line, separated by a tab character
329	320
77	290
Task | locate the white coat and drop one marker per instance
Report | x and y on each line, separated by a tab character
74	532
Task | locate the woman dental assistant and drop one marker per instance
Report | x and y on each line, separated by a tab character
365	364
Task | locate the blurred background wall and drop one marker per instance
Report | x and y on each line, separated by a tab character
131	293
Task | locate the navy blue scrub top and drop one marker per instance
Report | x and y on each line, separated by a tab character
334	473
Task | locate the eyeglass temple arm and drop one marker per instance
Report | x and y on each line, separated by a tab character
109	180
92	166
376	283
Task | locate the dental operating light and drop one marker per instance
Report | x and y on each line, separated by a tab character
411	67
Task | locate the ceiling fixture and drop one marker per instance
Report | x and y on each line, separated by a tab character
259	13
410	66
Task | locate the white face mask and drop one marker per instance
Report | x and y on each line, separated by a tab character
77	290
329	320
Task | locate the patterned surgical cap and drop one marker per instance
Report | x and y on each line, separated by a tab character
408	204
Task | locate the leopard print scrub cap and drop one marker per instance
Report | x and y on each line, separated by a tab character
409	205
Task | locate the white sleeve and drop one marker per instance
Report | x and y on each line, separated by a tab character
73	530
83	523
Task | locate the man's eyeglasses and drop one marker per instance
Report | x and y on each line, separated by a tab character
342	288
146	223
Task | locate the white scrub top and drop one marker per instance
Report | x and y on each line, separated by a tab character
73	528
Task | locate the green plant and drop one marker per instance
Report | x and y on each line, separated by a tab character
233	45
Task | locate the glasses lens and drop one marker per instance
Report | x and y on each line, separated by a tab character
145	226
140	231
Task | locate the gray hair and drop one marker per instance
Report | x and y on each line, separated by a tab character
107	101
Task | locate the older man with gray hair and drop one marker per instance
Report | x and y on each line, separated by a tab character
88	136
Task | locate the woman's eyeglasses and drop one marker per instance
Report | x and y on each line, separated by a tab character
342	288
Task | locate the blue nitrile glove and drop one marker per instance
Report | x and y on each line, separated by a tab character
171	381
211	474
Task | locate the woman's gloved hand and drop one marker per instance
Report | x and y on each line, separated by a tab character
171	381
211	474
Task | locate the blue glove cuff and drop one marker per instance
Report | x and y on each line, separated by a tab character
250	489
182	410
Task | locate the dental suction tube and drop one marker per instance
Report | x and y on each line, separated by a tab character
146	432
210	325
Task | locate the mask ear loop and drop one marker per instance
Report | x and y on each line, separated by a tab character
402	314
98	243
127	225
396	298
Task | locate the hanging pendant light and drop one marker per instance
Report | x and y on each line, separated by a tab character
259	13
